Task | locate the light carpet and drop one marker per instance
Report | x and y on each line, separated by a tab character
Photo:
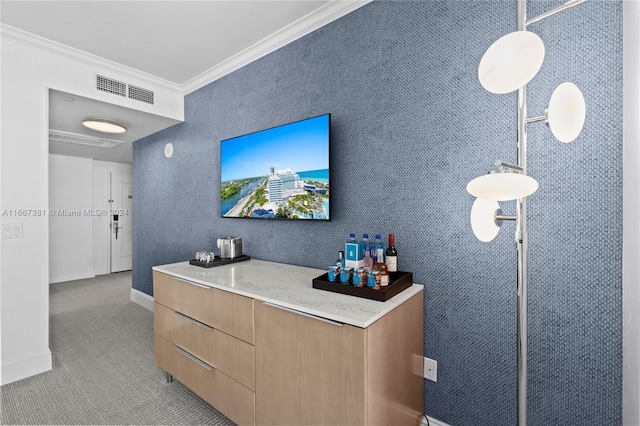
103	369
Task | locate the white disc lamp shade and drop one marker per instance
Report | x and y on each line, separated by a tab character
566	112
103	125
502	186
511	62
483	219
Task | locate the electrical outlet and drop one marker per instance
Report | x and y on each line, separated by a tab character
430	369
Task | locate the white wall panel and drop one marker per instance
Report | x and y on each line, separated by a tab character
70	218
27	73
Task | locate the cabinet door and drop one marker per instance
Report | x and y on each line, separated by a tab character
277	381
308	370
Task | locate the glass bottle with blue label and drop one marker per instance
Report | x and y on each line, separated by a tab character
345	275
334	273
359	277
373	280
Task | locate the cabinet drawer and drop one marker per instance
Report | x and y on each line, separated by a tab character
231	356
190	373
219	309
234	400
228	396
192	299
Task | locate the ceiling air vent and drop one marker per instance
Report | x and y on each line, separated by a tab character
140	94
60	136
110	85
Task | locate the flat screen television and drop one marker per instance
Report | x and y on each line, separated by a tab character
278	173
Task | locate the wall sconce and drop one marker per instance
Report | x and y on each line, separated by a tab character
508	65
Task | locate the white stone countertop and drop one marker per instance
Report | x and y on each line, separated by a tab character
289	286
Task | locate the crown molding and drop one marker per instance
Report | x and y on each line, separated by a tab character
12	33
303	26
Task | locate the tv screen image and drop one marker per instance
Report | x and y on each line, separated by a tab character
277	173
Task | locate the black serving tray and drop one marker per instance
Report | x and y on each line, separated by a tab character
218	261
398	281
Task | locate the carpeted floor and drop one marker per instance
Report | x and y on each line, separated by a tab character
103	370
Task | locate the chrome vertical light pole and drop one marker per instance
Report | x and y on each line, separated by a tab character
565	117
522	240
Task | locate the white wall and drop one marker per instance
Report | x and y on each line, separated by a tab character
101	230
70	228
631	219
79	246
27	72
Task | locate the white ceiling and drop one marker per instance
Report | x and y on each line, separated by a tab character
173	40
66	112
187	43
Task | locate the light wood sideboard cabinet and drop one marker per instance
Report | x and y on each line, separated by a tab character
261	363
312	371
199	334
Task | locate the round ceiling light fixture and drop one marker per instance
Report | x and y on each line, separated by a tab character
103	125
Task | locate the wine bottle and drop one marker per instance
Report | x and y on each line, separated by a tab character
392	255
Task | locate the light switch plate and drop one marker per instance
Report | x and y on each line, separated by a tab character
431	369
16	230
11	230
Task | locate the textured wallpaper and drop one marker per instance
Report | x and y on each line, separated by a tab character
411	125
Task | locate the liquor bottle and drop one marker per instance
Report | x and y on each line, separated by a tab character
381	267
392	255
377	246
341	260
368	261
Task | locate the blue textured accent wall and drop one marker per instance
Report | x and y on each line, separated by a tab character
411	126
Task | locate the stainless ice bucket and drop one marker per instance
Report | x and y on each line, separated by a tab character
230	247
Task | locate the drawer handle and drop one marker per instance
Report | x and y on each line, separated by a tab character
339	324
192	283
194	359
196	322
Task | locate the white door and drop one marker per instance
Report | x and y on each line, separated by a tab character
121	221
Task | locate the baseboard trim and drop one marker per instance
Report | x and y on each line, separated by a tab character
434	422
431	422
71	277
26	368
142	299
